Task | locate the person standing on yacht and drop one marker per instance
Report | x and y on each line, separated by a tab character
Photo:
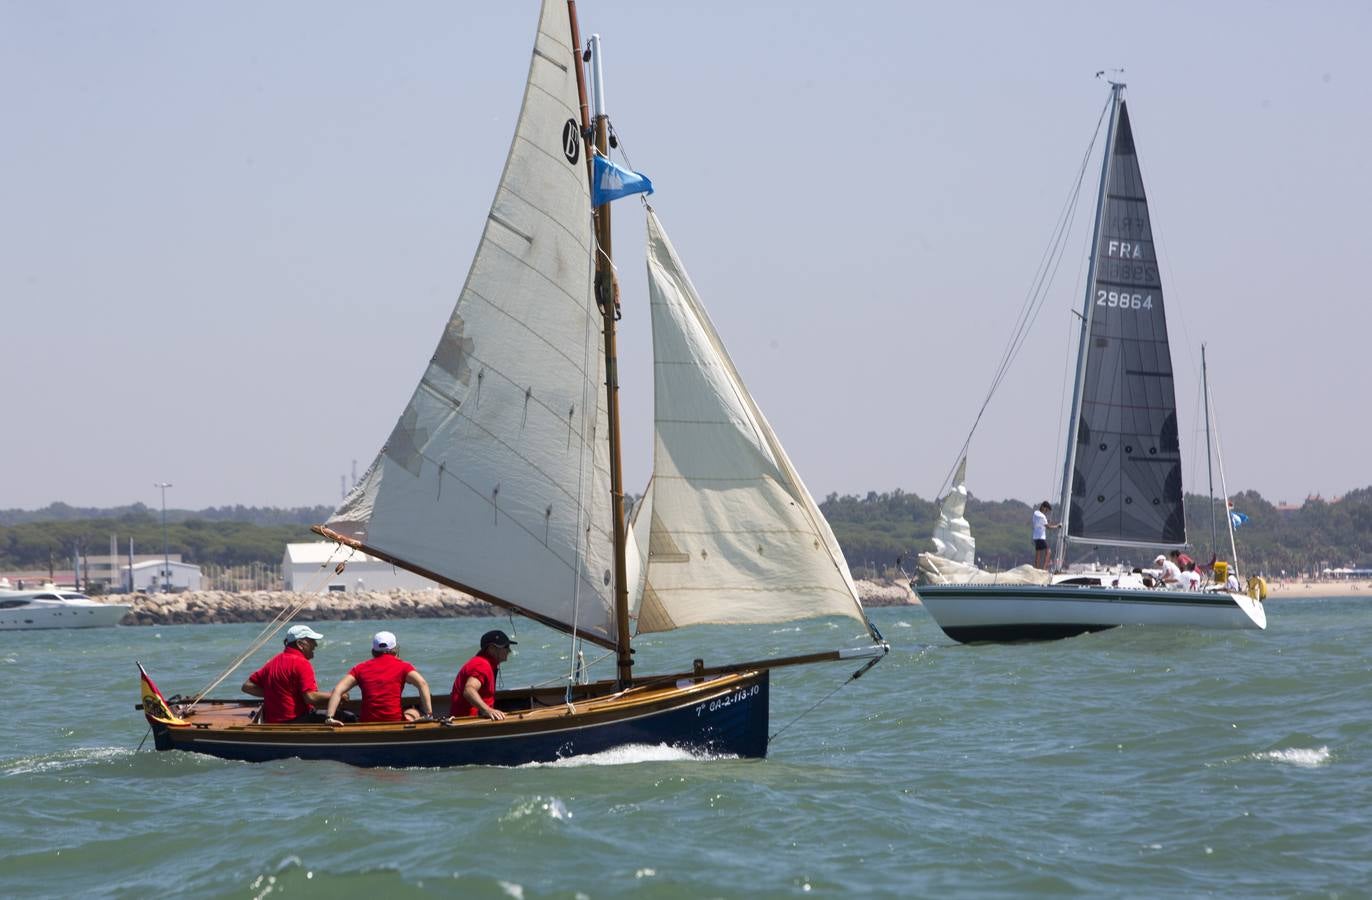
1041	526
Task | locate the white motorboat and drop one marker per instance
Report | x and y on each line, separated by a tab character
50	607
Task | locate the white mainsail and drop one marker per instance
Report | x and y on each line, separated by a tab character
496	477
734	536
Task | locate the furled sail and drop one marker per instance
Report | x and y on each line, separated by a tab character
952	533
1126	482
734	537
496	477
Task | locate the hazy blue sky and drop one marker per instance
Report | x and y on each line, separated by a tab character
231	233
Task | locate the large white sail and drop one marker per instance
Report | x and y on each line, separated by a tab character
734	535
496	477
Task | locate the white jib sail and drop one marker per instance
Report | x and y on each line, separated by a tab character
734	536
496	477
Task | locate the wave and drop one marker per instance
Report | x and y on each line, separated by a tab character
62	760
629	754
1298	756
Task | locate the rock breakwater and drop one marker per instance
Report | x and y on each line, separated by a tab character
218	607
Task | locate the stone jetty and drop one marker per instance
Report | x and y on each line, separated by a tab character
215	607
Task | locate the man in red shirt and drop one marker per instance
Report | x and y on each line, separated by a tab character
383	679
474	687
286	683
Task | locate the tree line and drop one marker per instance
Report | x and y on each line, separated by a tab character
875	531
878	529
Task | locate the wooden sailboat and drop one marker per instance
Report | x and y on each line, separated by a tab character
502	478
1121	479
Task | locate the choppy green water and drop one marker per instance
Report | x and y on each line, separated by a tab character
1128	763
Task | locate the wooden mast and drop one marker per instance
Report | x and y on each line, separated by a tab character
607	298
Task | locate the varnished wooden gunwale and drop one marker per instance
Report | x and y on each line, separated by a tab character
218	721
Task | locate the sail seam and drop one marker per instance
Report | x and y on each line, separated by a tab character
731	531
1111	405
718	479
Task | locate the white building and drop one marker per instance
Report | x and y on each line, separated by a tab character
152	575
310	568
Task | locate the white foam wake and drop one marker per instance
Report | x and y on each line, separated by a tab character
629	754
62	760
1298	756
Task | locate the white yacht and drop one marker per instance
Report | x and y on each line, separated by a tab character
52	607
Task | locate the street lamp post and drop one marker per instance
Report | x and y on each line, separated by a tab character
166	556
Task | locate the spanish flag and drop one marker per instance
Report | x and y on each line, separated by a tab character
155	707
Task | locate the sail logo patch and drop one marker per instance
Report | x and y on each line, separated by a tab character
571	141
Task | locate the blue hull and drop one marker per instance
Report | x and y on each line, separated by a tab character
730	721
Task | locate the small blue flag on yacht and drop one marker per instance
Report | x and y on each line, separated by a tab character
612	182
1237	518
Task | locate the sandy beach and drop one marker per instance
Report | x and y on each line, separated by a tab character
1295	590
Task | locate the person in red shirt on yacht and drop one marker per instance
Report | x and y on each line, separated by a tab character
474	687
382	679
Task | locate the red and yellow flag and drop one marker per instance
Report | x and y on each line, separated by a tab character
155	707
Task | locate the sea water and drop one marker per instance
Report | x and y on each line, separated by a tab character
1135	762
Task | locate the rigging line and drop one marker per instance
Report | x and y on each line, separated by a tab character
1196	427
1038	291
590	411
274	626
563	679
1224	487
1062	400
851	678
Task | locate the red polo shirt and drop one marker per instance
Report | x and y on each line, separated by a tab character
382	679
284	680
480	667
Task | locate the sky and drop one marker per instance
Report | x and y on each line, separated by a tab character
230	234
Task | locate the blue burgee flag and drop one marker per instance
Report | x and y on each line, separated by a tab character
1237	518
612	182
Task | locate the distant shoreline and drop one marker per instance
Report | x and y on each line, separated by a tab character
224	607
1293	589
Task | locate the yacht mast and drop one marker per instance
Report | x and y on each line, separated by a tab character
607	298
1209	454
1074	423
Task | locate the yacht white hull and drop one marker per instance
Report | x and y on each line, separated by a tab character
26	618
1029	612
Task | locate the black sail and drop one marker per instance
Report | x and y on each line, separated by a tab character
1126	482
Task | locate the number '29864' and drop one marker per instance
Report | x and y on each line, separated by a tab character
1123	300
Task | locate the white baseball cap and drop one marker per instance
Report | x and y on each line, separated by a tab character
296	632
383	640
